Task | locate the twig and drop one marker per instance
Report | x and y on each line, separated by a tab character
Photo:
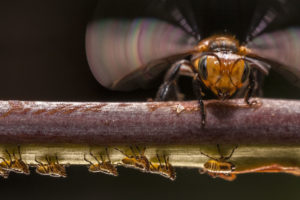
228	122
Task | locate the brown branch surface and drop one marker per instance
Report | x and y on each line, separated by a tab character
229	122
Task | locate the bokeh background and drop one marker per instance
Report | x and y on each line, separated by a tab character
42	57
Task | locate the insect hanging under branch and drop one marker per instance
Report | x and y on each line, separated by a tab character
105	167
13	164
129	53
52	168
219	167
165	169
136	160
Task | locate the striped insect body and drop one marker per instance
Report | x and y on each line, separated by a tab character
51	168
219	167
136	160
163	167
102	166
14	164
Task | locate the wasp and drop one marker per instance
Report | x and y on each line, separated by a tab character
219	167
16	164
52	168
129	53
165	169
104	166
138	161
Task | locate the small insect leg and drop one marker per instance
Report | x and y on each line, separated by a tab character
107	154
95	157
48	160
228	157
132	151
160	165
219	151
207	155
122	152
84	157
101	157
19	151
141	152
56	159
166	162
41	164
8	155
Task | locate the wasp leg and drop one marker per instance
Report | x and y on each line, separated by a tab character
169	90
250	90
198	92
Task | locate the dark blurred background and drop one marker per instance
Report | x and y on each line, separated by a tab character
42	57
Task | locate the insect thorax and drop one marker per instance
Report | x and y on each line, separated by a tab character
224	44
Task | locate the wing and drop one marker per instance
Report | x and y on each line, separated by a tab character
272	15
126	54
275	37
282	50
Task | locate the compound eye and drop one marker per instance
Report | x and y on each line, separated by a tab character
202	67
246	72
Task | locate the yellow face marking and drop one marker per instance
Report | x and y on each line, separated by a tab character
223	75
237	72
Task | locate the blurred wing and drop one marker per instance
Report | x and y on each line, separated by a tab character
282	49
126	54
179	12
272	15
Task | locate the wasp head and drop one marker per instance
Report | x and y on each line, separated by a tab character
222	72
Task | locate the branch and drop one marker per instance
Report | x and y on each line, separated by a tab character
228	122
267	134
